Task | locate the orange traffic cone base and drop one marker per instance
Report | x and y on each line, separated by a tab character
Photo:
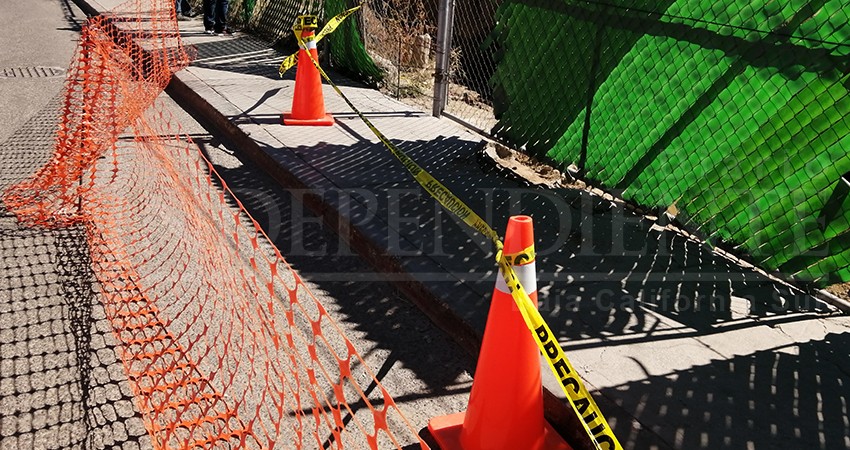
325	121
446	431
505	408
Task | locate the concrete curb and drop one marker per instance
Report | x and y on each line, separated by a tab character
218	125
562	418
834	300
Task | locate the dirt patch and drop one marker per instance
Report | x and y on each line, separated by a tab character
529	169
841	290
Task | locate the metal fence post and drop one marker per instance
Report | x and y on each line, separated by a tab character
445	25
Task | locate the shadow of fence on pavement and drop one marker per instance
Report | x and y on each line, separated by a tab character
604	272
601	268
365	299
794	396
62	384
249	55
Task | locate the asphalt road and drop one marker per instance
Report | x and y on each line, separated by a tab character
37	33
61	381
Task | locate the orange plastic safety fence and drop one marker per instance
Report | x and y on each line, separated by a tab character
223	344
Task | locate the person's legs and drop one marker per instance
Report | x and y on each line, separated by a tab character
221	15
177	7
186	8
209	15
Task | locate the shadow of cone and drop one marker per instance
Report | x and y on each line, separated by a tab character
505	410
308	102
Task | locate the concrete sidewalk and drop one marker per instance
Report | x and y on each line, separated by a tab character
682	347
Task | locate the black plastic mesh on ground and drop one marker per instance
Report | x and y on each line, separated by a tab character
274	19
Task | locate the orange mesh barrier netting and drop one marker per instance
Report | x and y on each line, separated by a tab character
223	344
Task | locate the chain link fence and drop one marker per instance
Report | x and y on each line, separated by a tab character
346	47
401	39
731	116
472	61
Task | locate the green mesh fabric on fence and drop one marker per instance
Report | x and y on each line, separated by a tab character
247	10
273	19
346	45
736	112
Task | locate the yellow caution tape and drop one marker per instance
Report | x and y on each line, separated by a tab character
593	421
520	258
306	21
312	22
287	63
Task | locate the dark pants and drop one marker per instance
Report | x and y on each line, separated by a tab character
215	15
183	7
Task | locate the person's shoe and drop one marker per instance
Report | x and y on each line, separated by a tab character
183	18
210	32
224	32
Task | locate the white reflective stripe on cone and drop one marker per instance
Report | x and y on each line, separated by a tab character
311	44
527	275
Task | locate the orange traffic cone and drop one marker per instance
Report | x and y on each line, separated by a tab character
308	102
505	410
